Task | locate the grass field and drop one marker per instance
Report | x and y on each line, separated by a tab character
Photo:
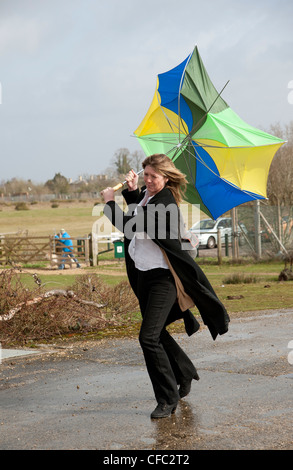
260	290
41	219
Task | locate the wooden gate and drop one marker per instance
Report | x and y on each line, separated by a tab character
25	250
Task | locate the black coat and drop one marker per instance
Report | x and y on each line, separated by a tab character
195	282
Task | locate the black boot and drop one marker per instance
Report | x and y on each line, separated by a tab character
163	410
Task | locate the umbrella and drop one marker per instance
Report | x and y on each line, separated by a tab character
226	161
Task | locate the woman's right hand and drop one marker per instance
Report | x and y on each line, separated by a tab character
131	180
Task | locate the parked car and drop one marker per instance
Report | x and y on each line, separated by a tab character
207	231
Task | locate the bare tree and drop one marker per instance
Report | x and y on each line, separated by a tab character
125	161
122	161
137	157
280	181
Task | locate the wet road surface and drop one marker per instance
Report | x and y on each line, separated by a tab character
97	395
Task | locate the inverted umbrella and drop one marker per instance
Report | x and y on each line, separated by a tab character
226	161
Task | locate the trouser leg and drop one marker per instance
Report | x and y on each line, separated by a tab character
166	362
157	294
182	366
74	259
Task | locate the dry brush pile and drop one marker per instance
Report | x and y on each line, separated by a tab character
28	315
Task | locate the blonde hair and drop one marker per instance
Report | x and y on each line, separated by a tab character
165	167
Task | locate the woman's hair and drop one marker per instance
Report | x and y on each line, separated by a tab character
165	167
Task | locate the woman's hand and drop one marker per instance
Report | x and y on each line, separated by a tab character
131	180
108	194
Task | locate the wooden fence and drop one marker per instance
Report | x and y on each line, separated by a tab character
26	250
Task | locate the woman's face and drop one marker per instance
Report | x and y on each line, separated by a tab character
153	180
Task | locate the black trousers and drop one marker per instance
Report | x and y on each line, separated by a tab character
166	362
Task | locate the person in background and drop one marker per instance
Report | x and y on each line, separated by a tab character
67	248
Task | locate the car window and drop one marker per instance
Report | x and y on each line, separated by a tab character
207	224
222	224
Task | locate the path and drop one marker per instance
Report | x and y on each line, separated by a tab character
97	395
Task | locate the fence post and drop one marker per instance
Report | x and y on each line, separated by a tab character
226	245
257	229
86	252
235	245
51	247
280	231
273	232
219	246
95	249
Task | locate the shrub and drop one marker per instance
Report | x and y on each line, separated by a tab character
90	306
21	206
239	278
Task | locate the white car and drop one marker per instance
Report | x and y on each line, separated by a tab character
207	231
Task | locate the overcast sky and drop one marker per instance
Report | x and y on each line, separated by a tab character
77	76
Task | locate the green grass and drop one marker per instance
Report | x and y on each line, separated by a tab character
258	296
49	281
245	265
64	281
41	219
265	292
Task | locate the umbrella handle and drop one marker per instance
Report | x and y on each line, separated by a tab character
118	186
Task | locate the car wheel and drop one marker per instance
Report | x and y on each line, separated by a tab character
211	243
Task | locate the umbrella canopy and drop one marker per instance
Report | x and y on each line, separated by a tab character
226	161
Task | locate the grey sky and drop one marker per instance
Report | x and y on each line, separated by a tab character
78	76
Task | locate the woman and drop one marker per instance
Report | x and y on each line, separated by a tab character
165	278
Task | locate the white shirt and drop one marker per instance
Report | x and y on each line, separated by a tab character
145	253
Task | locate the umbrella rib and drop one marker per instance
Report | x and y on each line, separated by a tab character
177	149
180	87
199	158
170	122
188	165
229	147
197	125
163	141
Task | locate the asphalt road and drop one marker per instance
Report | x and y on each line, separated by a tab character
97	395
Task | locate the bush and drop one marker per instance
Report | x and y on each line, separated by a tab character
239	278
90	306
21	206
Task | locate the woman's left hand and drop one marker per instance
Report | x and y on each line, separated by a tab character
108	194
